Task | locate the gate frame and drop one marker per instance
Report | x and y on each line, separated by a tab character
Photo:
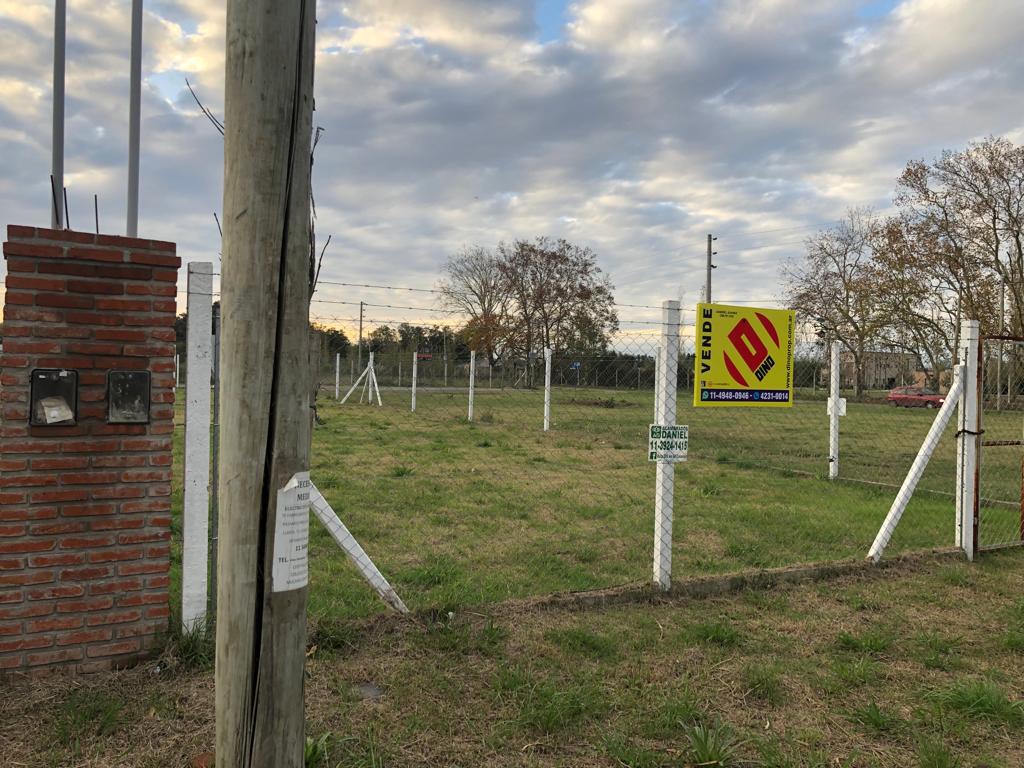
982	444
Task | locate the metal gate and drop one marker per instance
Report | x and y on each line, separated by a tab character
1001	463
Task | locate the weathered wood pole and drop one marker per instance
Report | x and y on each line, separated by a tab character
261	621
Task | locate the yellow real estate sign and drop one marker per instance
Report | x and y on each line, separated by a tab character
744	356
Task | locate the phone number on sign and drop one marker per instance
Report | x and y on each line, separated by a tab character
746	396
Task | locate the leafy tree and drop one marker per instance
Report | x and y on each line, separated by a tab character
382	338
335	340
558	297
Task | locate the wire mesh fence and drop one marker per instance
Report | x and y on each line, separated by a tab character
1001	468
473	472
462	509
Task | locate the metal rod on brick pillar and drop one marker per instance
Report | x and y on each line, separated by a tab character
664	488
57	139
196	514
134	109
261	627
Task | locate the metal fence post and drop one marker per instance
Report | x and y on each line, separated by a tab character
415	369
547	389
214	489
833	413
196	514
337	375
968	442
472	383
664	488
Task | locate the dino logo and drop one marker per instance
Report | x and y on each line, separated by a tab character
744	357
751	350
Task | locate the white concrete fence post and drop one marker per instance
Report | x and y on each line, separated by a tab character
415	370
196	514
664	487
968	443
547	389
834	410
472	383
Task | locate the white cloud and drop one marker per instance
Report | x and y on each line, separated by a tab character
447	123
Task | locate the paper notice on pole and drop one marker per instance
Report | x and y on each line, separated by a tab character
291	535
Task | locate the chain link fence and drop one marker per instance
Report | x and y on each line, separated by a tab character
535	489
471	475
1001	471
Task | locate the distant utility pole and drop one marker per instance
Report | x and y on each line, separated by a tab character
57	138
134	109
707	283
359	351
265	408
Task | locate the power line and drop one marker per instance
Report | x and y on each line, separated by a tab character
385	287
386	306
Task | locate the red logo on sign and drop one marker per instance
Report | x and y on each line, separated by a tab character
751	349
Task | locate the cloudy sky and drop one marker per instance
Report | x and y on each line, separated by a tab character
634	127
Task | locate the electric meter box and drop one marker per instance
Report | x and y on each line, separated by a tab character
128	397
54	397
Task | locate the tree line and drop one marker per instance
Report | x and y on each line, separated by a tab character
953	249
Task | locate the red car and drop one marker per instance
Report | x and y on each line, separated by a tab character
915	397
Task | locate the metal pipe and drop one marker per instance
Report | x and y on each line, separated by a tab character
57	145
134	107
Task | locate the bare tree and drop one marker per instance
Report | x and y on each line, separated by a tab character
834	284
971	204
473	284
925	285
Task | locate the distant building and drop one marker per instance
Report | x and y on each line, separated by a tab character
881	370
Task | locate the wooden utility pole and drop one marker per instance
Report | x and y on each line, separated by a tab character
265	403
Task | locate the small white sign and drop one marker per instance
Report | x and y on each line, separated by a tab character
842	406
291	535
668	444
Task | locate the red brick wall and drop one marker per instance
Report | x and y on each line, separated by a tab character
85	509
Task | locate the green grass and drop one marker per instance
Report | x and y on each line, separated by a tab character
85	715
712	633
764	682
874	719
981	699
458	514
873	641
617	685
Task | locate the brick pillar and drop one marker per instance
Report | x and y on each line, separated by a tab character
85	509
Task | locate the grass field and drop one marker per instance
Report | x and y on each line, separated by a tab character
918	666
464	513
458	513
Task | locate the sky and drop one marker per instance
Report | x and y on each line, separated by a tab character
633	127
